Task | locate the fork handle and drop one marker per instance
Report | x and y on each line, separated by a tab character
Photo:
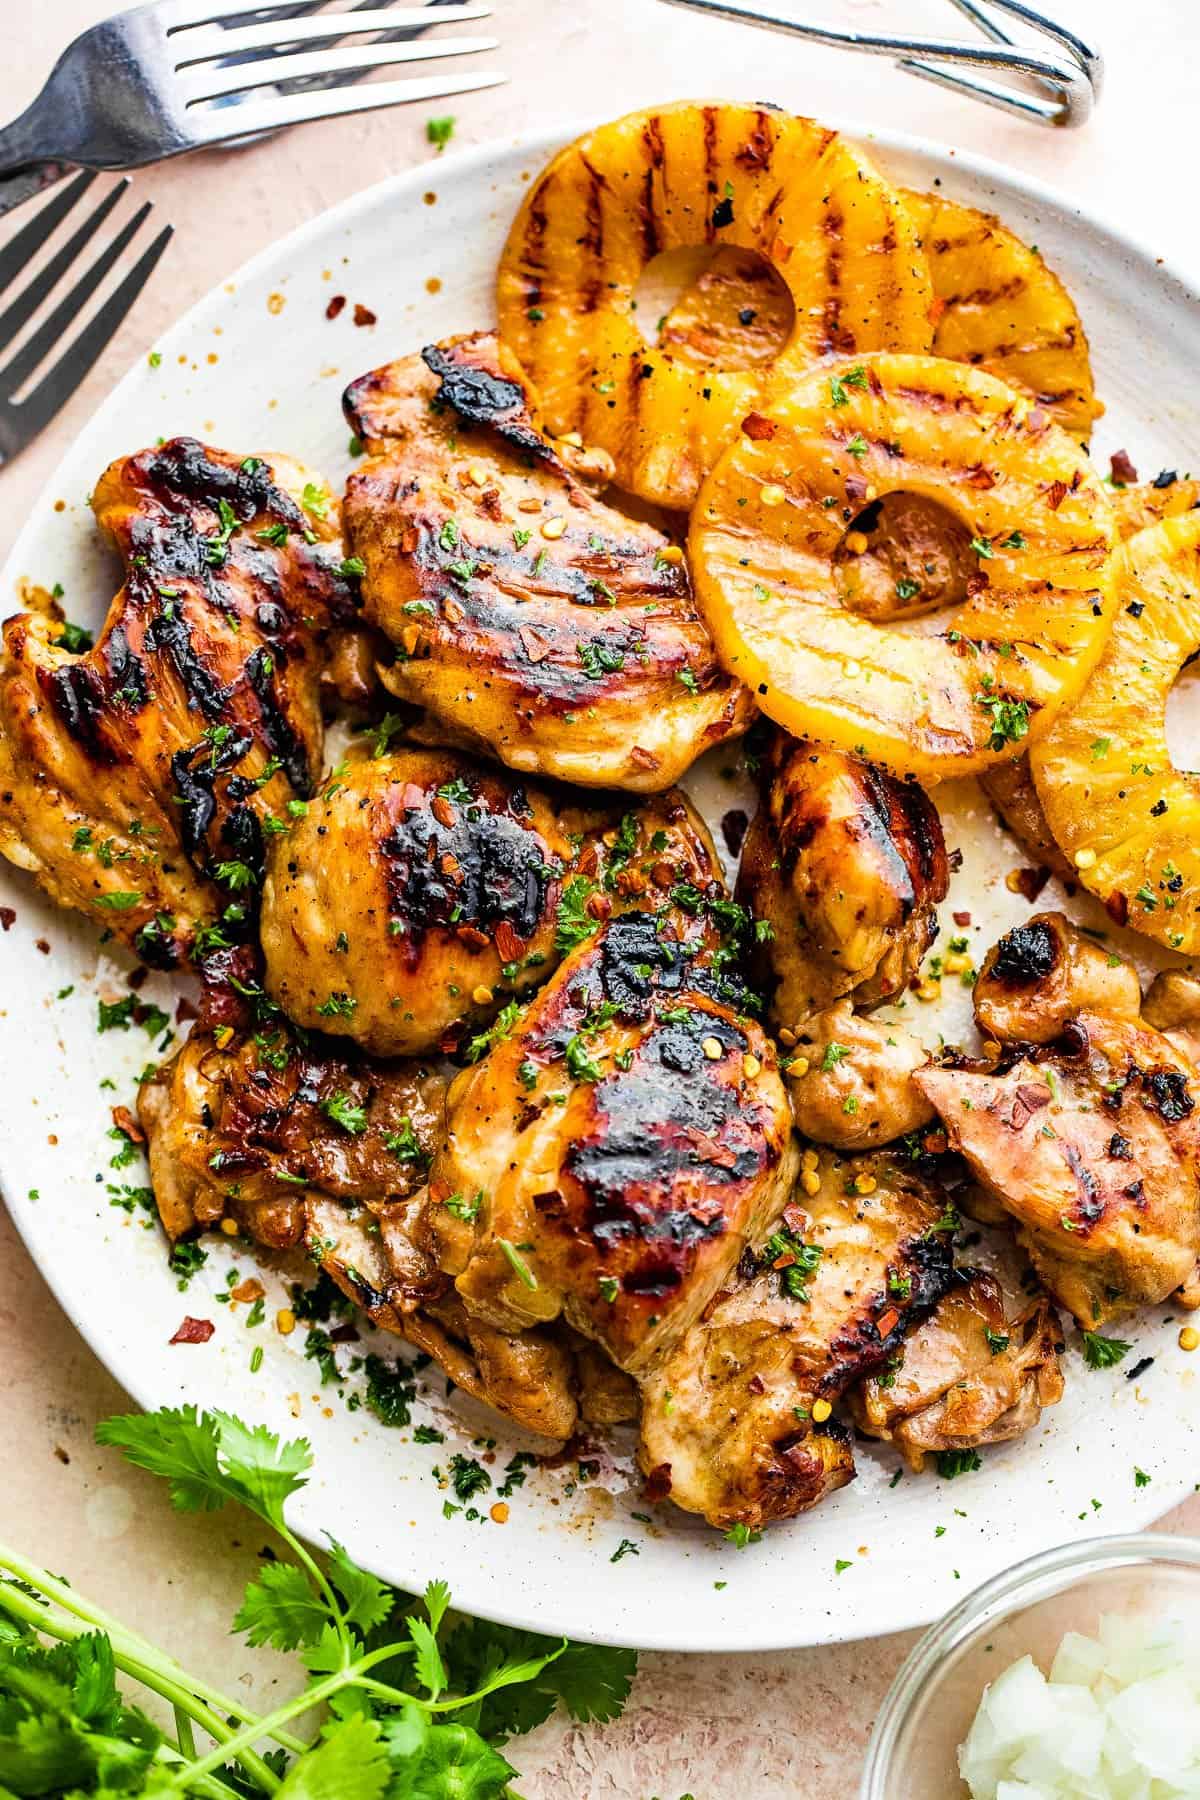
16	189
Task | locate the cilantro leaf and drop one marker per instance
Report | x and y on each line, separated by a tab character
368	1601
280	1609
437	1599
428	1664
441	1762
211	1458
350	1763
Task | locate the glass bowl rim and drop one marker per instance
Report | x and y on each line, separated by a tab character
998	1597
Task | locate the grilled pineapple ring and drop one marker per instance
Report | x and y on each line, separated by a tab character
998	307
1125	816
963	690
788	188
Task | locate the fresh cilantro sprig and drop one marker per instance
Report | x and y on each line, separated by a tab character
468	1687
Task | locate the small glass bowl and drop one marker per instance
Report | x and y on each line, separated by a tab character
913	1752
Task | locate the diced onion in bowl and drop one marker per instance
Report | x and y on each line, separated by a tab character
1118	1719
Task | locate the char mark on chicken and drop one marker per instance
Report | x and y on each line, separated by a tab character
611	1156
736	1423
530	620
846	865
138	780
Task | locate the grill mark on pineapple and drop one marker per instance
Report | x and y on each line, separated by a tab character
709	119
759	148
836	336
989	296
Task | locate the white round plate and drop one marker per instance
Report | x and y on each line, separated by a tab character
258	367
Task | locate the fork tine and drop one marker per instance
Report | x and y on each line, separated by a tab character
242	117
210	83
178	15
60	382
20	250
47	278
26	359
208	46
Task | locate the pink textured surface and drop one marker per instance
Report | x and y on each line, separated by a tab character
718	1728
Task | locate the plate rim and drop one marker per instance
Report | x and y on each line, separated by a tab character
769	1631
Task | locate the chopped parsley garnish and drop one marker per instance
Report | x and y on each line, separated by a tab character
581	1065
517	1263
857	378
857	446
74	638
794	1259
1010	719
404	1144
438	132
740	1535
1103	1352
574	923
907	589
484	1041
952	1463
599	659
344	1111
997	1341
339	1005
834	1054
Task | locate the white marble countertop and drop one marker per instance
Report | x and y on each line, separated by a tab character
718	1728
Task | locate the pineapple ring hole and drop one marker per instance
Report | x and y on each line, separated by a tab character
1183	719
903	556
727	308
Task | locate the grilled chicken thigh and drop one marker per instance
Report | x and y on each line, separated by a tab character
418	891
967	1375
136	779
1092	1145
728	1423
301	1145
845	864
850	1080
530	620
611	1156
1041	974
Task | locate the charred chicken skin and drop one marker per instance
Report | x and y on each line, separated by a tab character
1090	1141
610	1158
530	620
137	780
968	1375
1041	974
418	891
728	1422
845	864
302	1145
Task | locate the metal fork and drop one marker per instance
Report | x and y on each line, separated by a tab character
176	75
1062	86
22	419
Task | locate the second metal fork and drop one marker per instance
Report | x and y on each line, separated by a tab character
182	75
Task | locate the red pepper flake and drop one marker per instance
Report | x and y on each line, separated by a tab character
1056	493
335	306
8	917
643	759
755	426
1030	882
193	1331
124	1121
509	947
1121	468
887	1321
962	918
536	647
363	314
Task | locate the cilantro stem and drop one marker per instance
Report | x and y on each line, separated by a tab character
184	1736
137	1657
